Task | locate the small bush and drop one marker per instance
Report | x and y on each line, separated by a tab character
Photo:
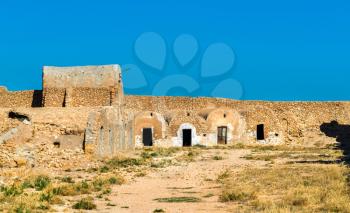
104	169
125	162
158	211
22	208
223	176
41	182
239	195
85	204
72	189
116	180
27	184
11	191
98	184
65	191
46	197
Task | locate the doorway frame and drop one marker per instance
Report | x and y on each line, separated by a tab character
143	136
190	137
221	135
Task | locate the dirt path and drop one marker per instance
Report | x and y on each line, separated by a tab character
196	179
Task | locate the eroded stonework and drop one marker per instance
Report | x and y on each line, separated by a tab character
82	111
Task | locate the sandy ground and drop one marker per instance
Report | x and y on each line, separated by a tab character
195	179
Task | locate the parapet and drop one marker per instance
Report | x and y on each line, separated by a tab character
107	76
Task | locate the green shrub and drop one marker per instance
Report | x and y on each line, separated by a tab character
104	169
27	184
116	180
21	208
98	184
41	182
125	162
46	197
85	204
11	191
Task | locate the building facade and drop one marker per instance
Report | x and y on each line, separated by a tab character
85	107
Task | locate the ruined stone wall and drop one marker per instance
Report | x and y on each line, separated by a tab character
82	86
42	136
284	122
54	97
105	133
77	97
91	97
31	98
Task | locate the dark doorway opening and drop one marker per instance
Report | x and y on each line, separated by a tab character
187	137
260	135
147	137
37	98
222	135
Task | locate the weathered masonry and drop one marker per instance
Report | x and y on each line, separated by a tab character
85	108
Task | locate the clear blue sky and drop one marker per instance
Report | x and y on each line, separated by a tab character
285	50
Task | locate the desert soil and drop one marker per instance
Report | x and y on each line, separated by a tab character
195	179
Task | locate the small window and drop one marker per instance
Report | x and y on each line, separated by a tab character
225	115
151	114
57	144
188	114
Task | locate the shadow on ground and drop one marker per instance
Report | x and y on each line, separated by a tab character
342	134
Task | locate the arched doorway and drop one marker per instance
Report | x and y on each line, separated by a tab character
149	129
187	137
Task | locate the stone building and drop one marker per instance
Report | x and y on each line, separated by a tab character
85	108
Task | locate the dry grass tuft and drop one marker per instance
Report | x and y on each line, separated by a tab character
297	188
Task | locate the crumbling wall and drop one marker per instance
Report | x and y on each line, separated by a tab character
30	98
105	133
91	97
82	86
54	97
42	136
284	122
